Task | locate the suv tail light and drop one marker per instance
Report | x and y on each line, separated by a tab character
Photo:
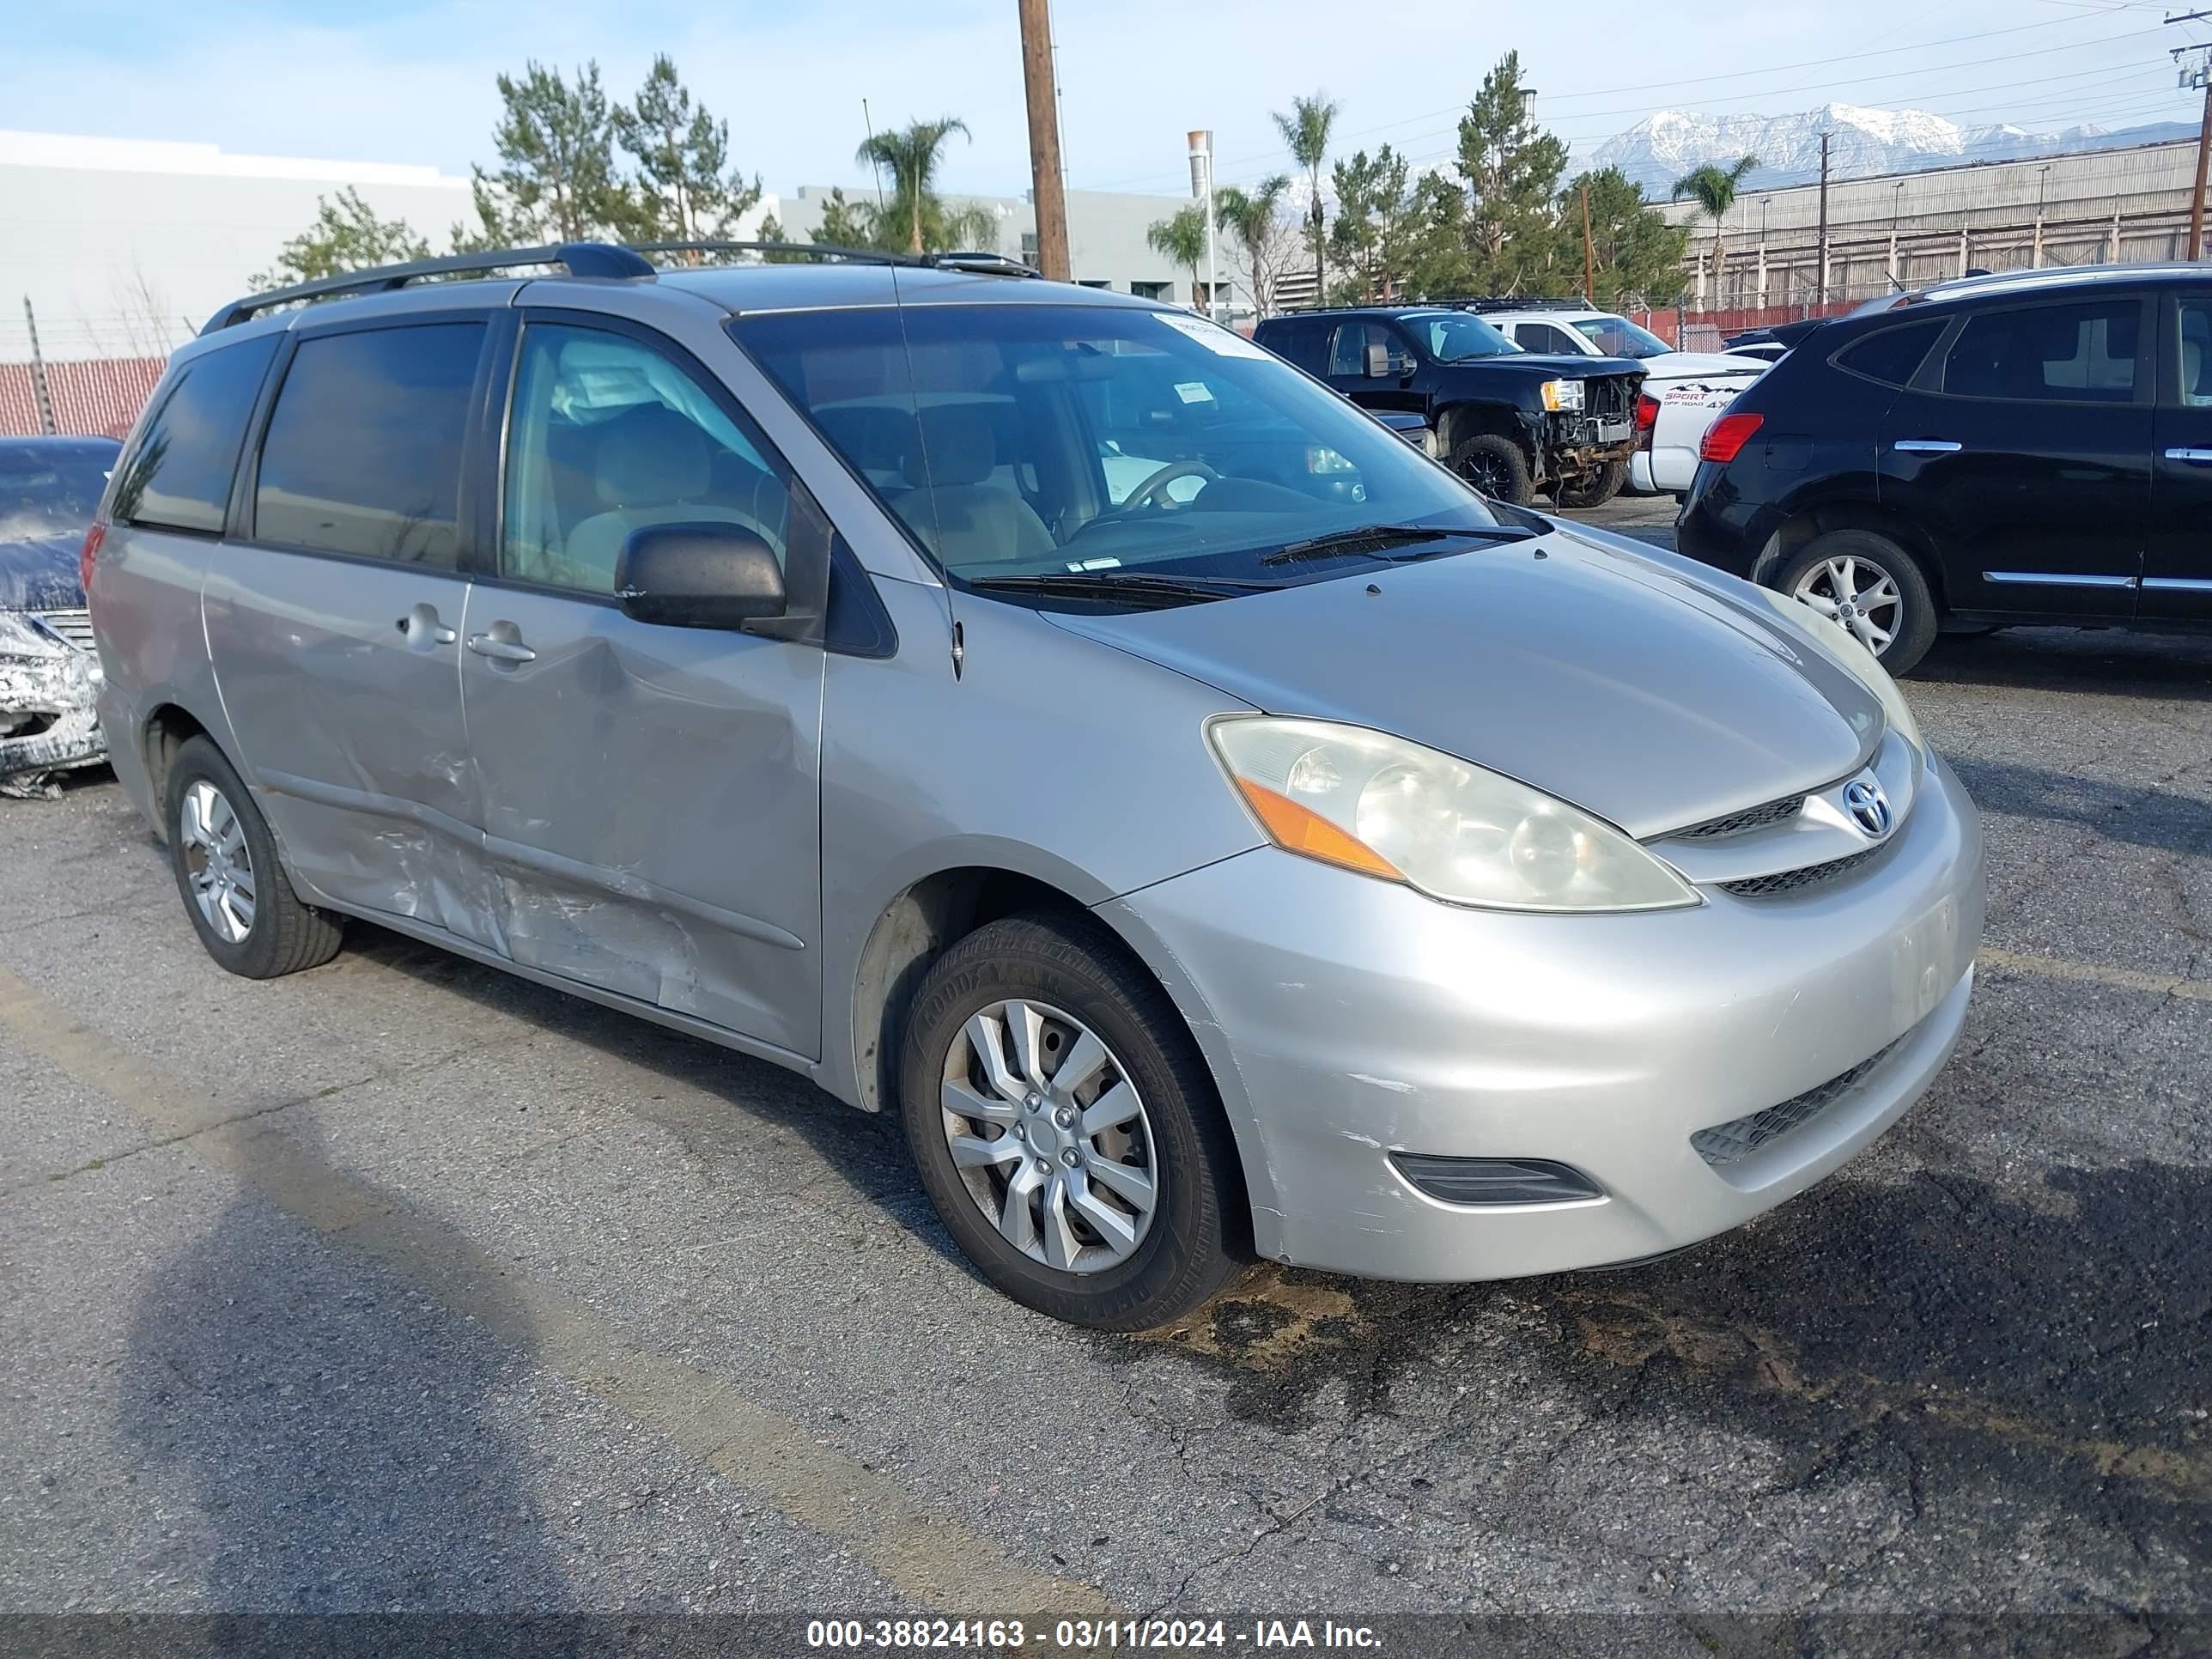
93	537
1726	437
1647	419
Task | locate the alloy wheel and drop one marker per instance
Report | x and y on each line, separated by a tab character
1856	592
217	861
1049	1136
1489	474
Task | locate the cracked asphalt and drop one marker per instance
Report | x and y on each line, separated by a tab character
403	1285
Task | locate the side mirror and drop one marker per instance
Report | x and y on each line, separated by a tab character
700	575
1379	367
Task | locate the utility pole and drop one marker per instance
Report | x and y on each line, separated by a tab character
1823	297
40	391
2199	76
1202	186
1046	189
1589	253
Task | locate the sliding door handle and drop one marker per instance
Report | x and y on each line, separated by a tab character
498	650
1926	446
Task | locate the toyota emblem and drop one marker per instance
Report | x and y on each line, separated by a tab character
1869	806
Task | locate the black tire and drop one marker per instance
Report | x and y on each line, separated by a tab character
1597	490
285	935
1495	465
1198	1232
1917	621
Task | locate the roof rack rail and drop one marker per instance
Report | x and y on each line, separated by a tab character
1510	302
577	259
608	260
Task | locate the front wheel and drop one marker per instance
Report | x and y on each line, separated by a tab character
1495	465
1872	586
1066	1128
1595	489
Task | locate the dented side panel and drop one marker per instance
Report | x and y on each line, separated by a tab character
341	679
651	803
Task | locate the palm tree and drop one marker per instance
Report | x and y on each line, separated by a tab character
1254	221
911	158
1714	189
1181	239
1305	131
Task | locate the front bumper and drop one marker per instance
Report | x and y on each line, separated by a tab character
1347	1018
48	720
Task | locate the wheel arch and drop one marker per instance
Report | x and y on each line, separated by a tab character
1808	523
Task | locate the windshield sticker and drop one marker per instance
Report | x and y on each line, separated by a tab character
1194	391
1212	336
1092	564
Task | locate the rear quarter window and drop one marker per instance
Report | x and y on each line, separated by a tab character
1891	356
178	477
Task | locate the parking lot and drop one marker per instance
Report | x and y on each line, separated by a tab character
401	1284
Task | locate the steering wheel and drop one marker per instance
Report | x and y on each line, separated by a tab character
1148	494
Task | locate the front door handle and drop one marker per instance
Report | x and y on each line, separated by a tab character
421	627
1926	446
500	650
2201	457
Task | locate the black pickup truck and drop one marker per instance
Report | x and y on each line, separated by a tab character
1509	422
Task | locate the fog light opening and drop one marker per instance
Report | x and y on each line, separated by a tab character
1477	1182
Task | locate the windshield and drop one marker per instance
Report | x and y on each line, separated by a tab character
50	489
1036	440
1450	336
1616	337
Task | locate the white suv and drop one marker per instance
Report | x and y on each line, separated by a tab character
1683	393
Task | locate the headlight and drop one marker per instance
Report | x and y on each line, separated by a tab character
1395	810
1563	395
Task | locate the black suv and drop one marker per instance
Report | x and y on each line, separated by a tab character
2034	446
1509	422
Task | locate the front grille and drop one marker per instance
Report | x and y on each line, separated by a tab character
1724	1143
75	626
1608	398
1740	823
1791	881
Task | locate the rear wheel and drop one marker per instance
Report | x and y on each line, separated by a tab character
1872	586
1495	465
1595	489
234	890
1066	1128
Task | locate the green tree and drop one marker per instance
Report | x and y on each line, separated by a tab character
346	235
1253	222
1638	255
1715	188
1180	238
1512	169
1382	220
556	180
685	189
915	216
1305	133
845	224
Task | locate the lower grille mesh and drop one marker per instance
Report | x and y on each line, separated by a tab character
1724	1143
1787	881
75	626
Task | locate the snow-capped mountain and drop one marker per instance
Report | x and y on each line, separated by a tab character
1660	149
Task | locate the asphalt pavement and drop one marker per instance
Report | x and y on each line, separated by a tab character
402	1285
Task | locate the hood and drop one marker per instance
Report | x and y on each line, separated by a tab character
1551	365
1689	364
40	573
1649	696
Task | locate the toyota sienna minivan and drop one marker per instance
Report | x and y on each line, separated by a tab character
1210	826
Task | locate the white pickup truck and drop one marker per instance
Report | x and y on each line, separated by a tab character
1684	391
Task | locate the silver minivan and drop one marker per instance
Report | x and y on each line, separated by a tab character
1213	828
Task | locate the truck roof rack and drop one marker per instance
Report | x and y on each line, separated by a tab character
606	259
1509	302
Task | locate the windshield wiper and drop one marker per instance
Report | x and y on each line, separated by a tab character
1116	584
1372	538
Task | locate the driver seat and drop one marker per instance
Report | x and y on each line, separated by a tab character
959	517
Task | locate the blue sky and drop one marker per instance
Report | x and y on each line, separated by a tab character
411	80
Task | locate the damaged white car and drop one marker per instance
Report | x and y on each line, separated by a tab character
49	675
